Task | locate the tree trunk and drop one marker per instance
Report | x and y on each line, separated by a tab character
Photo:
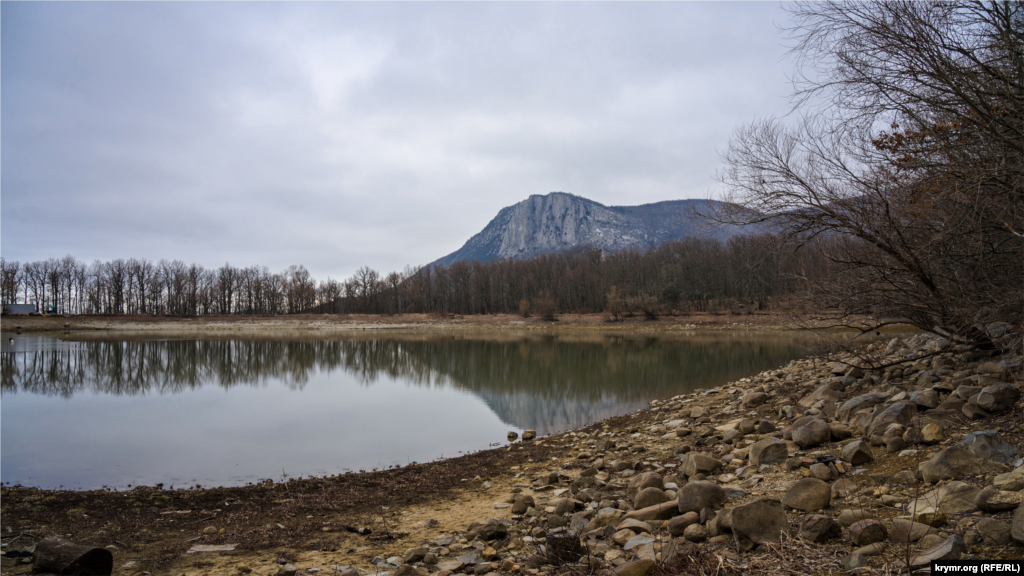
62	557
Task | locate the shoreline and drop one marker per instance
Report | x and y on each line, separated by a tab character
303	521
325	323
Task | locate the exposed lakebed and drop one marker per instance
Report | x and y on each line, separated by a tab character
92	410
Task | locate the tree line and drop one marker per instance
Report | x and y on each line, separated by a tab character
681	276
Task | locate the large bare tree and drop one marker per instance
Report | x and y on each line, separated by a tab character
904	157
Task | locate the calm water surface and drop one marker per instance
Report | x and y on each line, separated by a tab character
106	410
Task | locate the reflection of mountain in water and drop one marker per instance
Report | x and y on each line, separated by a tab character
547	383
547	416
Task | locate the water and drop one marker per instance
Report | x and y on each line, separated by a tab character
89	411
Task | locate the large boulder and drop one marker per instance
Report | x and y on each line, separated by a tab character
864	532
809	495
950	549
858	403
897	413
994	500
814	433
857	452
662	511
819	528
760	522
650	497
990	445
697	463
1017	527
695	496
998	397
993	532
951	498
644	480
769	450
956	461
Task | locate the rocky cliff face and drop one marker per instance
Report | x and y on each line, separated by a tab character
558	221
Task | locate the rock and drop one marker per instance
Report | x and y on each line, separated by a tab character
677	525
1010	481
809	495
769	450
864	532
822	471
563	506
676	550
695	533
932	434
857	452
638	540
662	511
990	445
757	523
973	411
901	413
697	463
210	530
906	530
811	434
1017	526
635	525
765	427
998	397
925	399
956	461
993	532
521	503
753	399
951	498
620	537
854	563
843	487
529	434
950	549
642	567
512	436
447	566
695	496
819	528
854	405
415	555
650	497
290	570
493	530
698	412
644	480
992	499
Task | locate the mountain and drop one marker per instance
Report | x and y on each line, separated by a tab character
559	221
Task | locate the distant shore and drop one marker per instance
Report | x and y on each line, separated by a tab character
345	322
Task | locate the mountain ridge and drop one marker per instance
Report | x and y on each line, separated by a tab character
560	221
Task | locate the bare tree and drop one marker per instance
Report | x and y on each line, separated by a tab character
906	160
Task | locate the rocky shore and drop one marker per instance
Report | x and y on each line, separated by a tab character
826	465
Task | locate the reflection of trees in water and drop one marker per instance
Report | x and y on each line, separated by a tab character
172	366
539	382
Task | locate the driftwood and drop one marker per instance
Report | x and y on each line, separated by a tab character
63	557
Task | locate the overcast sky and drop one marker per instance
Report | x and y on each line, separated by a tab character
336	135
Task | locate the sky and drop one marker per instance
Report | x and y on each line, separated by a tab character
340	135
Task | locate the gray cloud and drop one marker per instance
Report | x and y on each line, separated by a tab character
342	134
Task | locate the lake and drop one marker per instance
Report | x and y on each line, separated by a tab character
119	410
